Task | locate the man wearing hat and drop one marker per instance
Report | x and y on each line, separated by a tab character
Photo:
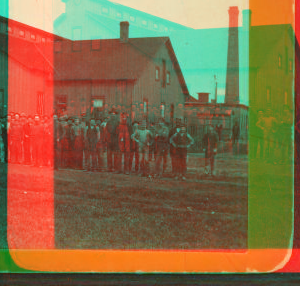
162	145
78	144
112	140
16	136
124	142
210	145
38	132
144	138
28	141
181	141
134	147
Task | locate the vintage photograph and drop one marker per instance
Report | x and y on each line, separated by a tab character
130	131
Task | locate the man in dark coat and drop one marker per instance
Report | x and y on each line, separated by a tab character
28	141
92	138
124	143
16	136
162	146
4	138
38	132
112	140
78	144
134	147
181	141
210	145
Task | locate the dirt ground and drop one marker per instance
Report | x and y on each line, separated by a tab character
117	211
87	210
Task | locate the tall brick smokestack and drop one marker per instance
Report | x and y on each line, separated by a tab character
232	75
124	31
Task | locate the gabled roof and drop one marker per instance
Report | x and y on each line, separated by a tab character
31	55
113	61
263	39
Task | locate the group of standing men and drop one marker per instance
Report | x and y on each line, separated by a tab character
25	140
82	145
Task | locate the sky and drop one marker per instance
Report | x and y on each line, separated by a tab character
193	13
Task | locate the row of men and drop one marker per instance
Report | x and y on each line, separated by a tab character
79	145
271	133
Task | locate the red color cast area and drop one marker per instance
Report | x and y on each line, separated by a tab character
30	195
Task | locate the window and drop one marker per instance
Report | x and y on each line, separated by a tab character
290	65
157	73
162	109
96	44
280	61
32	36
104	10
98	103
76	36
119	15
43	40
9	29
57	46
40	103
164	73
155	26
166	29
168	78
22	33
132	19
146	106
268	94
285	98
286	60
144	22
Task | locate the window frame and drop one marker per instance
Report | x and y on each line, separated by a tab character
168	78
20	33
56	42
95	49
279	61
157	69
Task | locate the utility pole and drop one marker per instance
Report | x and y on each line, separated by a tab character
216	90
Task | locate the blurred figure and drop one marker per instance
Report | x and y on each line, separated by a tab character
9	122
162	146
181	141
4	138
134	148
2	155
56	141
112	139
124	143
235	133
78	144
100	145
268	124
210	144
23	121
28	141
16	136
48	137
173	131
65	139
258	135
144	138
152	148
219	129
92	137
285	135
38	131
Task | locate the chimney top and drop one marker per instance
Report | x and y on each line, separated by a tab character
247	18
233	16
124	31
